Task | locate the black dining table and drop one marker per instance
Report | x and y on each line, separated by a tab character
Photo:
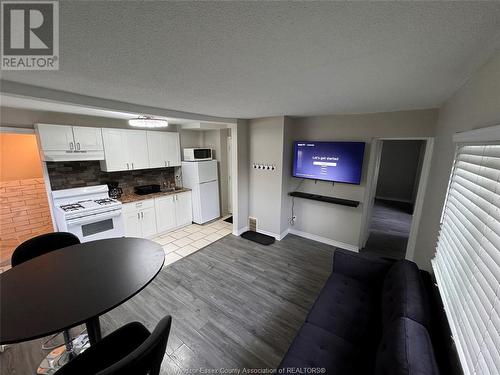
74	285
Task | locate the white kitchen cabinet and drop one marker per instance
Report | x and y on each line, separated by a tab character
69	143
137	147
132	224
173	211
87	139
124	150
148	222
140	218
55	137
115	150
163	149
183	209
173	149
165	213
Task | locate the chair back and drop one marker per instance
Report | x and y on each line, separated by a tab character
147	358
42	244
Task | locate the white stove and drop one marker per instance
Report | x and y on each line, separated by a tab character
88	212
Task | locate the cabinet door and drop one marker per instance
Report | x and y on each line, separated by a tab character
87	139
157	143
173	149
165	213
132	223
137	149
115	150
183	210
56	137
148	222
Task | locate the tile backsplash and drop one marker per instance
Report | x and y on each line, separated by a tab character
67	175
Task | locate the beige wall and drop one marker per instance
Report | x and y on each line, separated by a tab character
340	224
475	105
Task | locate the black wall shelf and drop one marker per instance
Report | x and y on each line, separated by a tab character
324	198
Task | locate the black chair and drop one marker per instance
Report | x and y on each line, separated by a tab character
40	245
130	349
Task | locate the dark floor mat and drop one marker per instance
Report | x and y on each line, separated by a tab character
258	237
229	219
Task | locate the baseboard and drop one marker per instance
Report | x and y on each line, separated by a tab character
238	232
284	233
277	236
325	240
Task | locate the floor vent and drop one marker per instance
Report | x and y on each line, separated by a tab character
252	224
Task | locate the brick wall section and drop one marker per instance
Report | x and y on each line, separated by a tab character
24	213
66	175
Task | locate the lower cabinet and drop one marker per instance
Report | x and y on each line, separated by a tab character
151	216
140	218
173	211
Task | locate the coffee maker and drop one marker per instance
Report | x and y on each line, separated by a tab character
113	190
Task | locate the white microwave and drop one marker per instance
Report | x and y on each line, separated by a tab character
197	154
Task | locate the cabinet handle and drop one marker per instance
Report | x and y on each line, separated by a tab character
165	162
71	146
127	166
142	215
138	215
132	165
78	145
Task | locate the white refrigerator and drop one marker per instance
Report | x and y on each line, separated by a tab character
202	178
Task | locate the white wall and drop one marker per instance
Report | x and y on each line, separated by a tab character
190	138
337	224
475	105
26	118
240	175
266	147
286	201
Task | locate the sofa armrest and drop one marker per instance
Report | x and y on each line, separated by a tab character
361	267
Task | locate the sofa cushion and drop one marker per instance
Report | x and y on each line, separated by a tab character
403	294
314	347
347	308
405	349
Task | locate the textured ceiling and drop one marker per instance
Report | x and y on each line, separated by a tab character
252	59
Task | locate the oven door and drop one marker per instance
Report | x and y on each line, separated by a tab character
99	226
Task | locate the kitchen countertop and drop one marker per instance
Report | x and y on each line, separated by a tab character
129	198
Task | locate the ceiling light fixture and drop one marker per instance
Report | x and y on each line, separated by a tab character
148	122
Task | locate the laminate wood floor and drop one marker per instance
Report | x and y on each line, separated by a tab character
389	230
234	304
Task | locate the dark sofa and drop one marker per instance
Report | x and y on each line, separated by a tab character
371	317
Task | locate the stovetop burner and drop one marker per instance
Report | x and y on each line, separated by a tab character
72	207
104	201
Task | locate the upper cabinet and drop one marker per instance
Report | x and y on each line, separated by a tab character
163	149
117	149
68	143
124	150
139	149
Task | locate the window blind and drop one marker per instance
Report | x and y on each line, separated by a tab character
467	261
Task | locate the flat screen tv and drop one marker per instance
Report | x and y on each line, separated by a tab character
328	161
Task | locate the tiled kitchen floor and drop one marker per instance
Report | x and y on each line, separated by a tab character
187	240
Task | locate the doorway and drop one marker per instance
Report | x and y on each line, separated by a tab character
396	191
25	211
